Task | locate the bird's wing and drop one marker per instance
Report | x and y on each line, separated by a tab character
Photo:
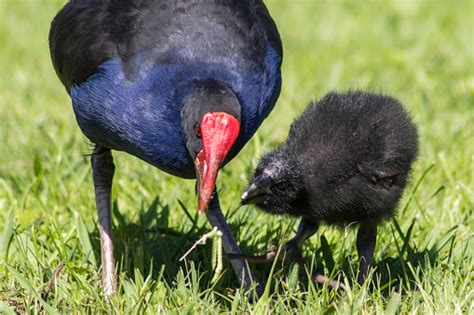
380	172
81	38
270	27
86	33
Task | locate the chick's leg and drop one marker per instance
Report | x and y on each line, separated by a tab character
216	218
292	250
366	239
306	229
103	172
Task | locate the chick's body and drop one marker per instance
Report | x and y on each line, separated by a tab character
347	159
355	152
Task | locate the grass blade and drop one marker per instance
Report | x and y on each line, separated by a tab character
327	254
27	286
393	304
85	240
5	309
8	231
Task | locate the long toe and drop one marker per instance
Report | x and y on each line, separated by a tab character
322	280
261	259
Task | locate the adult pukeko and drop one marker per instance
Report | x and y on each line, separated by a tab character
182	85
346	160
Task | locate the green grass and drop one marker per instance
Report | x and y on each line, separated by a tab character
419	51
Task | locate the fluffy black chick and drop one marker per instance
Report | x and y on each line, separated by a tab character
347	160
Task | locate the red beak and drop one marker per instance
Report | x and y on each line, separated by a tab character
218	132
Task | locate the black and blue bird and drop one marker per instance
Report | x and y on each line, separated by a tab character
182	85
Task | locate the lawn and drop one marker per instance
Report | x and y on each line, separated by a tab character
421	52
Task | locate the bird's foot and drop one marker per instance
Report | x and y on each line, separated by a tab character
259	259
323	280
291	253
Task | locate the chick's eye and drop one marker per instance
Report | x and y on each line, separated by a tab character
198	132
282	185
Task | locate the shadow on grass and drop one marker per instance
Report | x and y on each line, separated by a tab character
150	243
402	272
408	269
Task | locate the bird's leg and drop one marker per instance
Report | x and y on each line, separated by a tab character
103	172
216	218
306	229
366	238
292	249
292	252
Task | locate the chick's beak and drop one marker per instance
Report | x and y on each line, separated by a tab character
256	191
218	131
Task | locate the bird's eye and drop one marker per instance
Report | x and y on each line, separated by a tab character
198	132
282	185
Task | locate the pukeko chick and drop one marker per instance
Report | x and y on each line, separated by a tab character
182	85
346	160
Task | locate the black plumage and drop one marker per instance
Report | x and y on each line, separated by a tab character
86	33
347	159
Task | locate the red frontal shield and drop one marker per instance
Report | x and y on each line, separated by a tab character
219	132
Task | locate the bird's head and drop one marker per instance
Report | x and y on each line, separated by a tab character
277	186
211	124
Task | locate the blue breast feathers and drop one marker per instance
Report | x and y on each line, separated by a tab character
141	114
